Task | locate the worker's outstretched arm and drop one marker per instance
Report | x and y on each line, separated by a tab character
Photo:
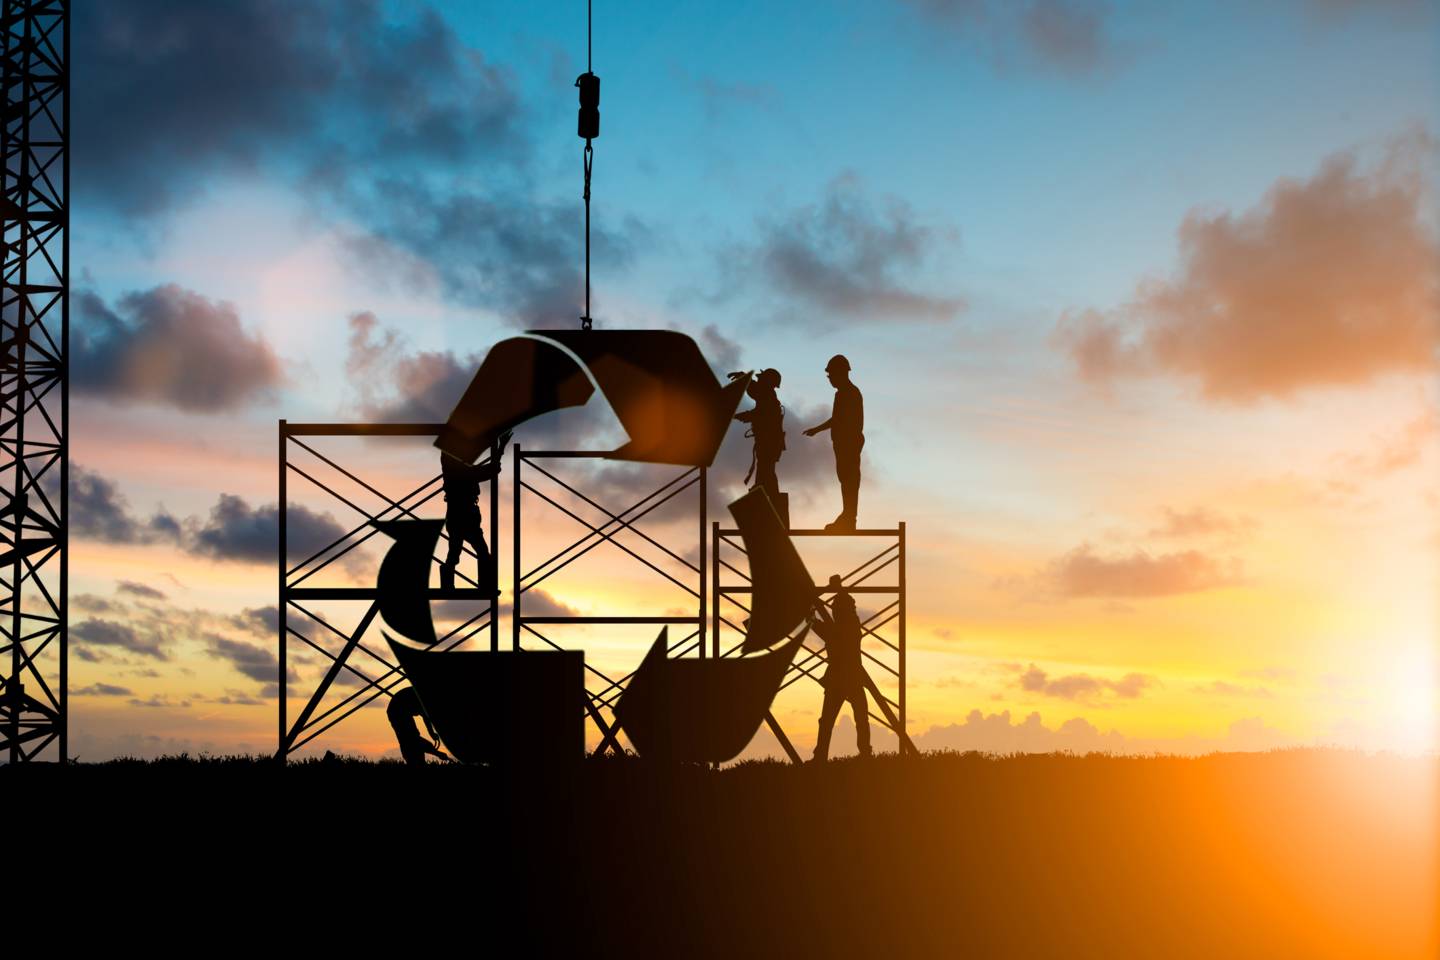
824	426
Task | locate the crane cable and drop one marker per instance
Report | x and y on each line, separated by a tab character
589	129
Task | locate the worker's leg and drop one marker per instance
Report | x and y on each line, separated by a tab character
829	710
847	470
455	537
404	707
862	721
484	578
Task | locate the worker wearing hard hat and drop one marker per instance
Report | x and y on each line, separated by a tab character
767	427
847	435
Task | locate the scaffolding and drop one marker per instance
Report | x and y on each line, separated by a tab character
603	690
34	381
375	675
885	654
710	572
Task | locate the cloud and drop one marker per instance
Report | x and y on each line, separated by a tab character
234	530
1201	522
98	511
159	700
96	632
172	347
258	663
997	733
1081	573
400	386
1340	11
338	82
1070	37
138	590
840	261
239	532
1398	451
1081	686
261	621
102	690
1328	282
518	255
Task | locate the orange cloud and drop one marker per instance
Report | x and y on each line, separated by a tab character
1081	573
1327	282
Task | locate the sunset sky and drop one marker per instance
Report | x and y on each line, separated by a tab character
1144	301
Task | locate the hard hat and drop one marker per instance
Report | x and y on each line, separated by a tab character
837	362
769	377
835	580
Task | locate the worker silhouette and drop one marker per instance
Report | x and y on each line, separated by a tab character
462	513
767	427
847	435
844	679
403	709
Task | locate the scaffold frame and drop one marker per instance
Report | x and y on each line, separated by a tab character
309	724
602	701
891	712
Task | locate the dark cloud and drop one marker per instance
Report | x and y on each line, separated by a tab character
1081	573
841	261
111	634
261	621
1327	282
159	700
1071	37
247	84
170	346
258	663
98	511
102	690
1082	686
237	531
234	530
138	590
517	255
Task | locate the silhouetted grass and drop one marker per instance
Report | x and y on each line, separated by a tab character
1283	854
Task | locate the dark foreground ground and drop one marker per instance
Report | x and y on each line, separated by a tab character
1287	854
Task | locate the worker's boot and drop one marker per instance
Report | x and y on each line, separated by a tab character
845	523
447	576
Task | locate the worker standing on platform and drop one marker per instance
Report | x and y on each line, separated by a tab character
767	427
462	513
844	679
847	435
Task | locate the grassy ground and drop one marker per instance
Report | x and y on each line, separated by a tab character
1285	854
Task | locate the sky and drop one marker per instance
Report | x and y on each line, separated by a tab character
1143	299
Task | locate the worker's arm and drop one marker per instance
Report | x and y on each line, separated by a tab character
490	469
745	416
824	426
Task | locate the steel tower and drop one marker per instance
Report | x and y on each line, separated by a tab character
34	381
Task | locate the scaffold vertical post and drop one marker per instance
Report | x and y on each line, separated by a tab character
515	590
495	454
715	583
700	622
281	603
903	728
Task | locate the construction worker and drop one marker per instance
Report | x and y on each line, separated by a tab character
767	427
847	435
462	513
844	679
404	707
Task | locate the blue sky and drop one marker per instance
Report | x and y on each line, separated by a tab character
940	189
